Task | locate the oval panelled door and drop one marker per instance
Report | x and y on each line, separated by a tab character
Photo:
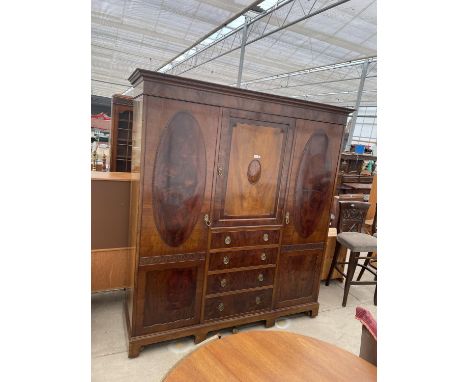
312	183
179	179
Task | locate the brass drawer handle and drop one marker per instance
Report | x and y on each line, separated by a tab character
287	218
221	307
227	240
260	277
223	283
220	170
258	300
226	260
207	220
263	256
265	237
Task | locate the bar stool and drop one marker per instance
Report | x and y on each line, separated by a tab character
351	218
357	242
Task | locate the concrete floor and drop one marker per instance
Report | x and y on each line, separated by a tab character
333	324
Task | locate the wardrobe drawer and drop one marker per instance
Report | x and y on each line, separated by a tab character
227	239
238	259
226	282
218	307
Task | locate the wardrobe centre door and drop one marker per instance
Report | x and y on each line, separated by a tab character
252	169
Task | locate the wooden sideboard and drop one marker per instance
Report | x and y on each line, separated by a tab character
110	196
229	215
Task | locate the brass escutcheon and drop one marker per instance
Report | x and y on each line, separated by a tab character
260	277
223	283
263	256
226	260
221	307
227	240
265	237
258	300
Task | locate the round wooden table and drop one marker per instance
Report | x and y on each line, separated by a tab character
271	356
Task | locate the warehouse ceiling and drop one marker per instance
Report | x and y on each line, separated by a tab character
310	49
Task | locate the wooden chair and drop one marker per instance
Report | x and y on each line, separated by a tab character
350	223
335	209
334	217
351	215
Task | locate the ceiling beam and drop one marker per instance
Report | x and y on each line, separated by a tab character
258	29
255	3
301	72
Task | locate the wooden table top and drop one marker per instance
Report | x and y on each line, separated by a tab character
115	176
271	356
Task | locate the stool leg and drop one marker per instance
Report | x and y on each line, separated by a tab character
375	296
366	263
349	275
333	263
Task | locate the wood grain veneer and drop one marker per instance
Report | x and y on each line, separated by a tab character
271	356
229	210
225	282
109	269
243	258
112	176
230	239
238	303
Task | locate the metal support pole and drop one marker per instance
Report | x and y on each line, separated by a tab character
241	60
352	123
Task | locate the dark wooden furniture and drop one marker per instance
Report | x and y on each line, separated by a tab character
110	196
334	217
121	133
350	172
351	163
350	225
335	209
357	242
351	216
353	188
230	211
269	356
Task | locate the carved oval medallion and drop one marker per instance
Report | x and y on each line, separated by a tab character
312	184
254	171
179	179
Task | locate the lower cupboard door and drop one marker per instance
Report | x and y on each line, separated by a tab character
298	280
169	296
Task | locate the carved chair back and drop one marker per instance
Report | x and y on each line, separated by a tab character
352	216
335	209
